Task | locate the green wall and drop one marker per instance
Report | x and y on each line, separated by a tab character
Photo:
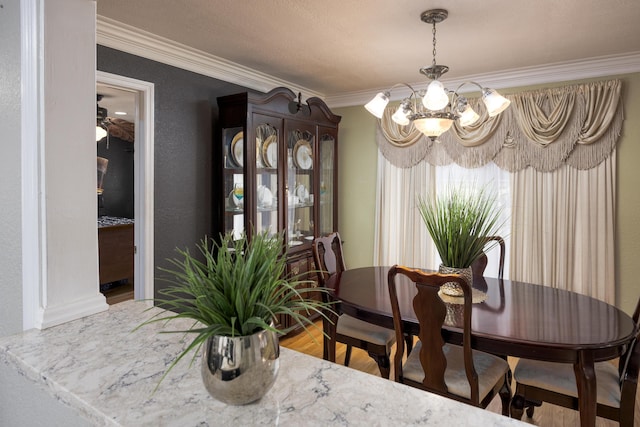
357	165
357	182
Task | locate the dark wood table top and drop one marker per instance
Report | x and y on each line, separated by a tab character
516	319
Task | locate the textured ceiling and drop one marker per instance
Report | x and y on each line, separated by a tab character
342	46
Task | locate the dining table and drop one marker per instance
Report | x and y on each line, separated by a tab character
508	318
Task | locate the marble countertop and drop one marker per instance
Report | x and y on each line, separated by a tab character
110	221
106	372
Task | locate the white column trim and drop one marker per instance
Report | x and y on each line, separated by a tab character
55	315
34	247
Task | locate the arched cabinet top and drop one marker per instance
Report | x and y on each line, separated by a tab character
283	101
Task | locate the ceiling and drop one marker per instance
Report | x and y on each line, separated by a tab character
117	100
336	47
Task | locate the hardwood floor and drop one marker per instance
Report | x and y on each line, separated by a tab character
546	415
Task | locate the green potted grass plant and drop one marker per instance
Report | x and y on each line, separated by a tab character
234	290
459	222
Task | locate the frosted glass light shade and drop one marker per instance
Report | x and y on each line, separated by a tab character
494	102
436	97
377	105
468	116
433	126
100	133
401	116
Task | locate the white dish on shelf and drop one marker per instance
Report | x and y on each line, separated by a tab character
302	193
302	154
295	243
237	148
308	237
259	159
270	152
265	197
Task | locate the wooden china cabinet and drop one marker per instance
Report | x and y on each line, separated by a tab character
276	171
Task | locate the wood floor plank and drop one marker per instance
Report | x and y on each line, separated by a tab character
546	415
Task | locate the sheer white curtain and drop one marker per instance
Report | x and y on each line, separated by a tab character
563	228
401	236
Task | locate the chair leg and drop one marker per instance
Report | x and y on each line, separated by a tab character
627	412
517	406
329	339
325	348
384	364
520	402
505	395
530	411
530	405
347	356
408	340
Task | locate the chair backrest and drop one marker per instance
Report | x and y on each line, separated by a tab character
431	311
626	359
636	313
327	255
630	363
480	264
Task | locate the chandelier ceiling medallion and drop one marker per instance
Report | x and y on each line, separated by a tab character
433	111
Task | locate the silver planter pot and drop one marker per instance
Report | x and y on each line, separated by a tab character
240	370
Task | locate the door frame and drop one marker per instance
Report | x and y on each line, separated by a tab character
143	179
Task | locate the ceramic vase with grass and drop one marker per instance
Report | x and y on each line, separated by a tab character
459	221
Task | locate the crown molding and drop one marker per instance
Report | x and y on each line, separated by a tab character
116	35
603	66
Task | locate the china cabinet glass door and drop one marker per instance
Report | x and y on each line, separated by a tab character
300	185
327	176
233	176
267	178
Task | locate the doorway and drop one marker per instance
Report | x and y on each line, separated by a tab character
137	96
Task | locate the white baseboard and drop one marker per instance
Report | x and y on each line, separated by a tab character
55	315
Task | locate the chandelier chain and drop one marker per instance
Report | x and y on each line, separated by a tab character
434	44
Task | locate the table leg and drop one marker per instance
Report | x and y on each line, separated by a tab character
587	391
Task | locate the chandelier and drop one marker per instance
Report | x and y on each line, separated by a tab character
433	111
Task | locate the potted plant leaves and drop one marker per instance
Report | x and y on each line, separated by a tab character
234	290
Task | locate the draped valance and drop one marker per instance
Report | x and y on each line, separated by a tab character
576	125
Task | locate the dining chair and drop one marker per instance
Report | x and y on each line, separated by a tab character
375	340
480	264
538	381
478	268
455	371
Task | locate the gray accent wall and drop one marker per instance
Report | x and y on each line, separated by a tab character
118	199
10	171
185	115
